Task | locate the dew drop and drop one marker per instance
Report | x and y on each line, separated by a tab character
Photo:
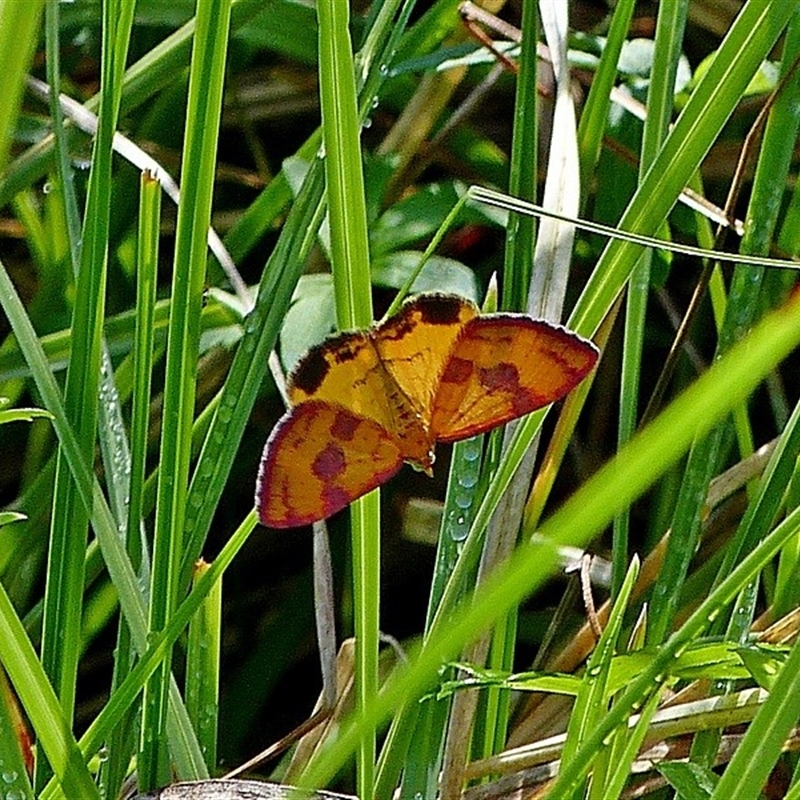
463	501
459	529
468	481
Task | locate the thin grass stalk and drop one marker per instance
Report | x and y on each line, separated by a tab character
142	356
386	24
594	115
523	169
488	724
44	240
627	747
341	129
12	734
660	102
207	74
414	742
592	699
71	213
121	744
203	668
113	442
522	282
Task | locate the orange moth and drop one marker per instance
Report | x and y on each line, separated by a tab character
364	402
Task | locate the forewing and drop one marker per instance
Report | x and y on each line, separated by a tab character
503	366
318	459
415	344
344	370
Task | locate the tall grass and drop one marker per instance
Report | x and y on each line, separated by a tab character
156	347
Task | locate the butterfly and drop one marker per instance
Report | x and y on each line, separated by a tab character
363	402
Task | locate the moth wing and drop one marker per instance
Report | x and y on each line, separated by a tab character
415	344
318	459
502	367
344	370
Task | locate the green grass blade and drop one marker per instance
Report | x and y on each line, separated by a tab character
595	111
485	728
414	741
626	748
592	700
207	74
12	734
660	102
202	668
19	27
41	705
147	263
61	624
117	706
121	745
341	130
523	173
72	221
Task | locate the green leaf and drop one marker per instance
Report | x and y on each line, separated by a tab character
23	414
692	781
438	275
763	663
